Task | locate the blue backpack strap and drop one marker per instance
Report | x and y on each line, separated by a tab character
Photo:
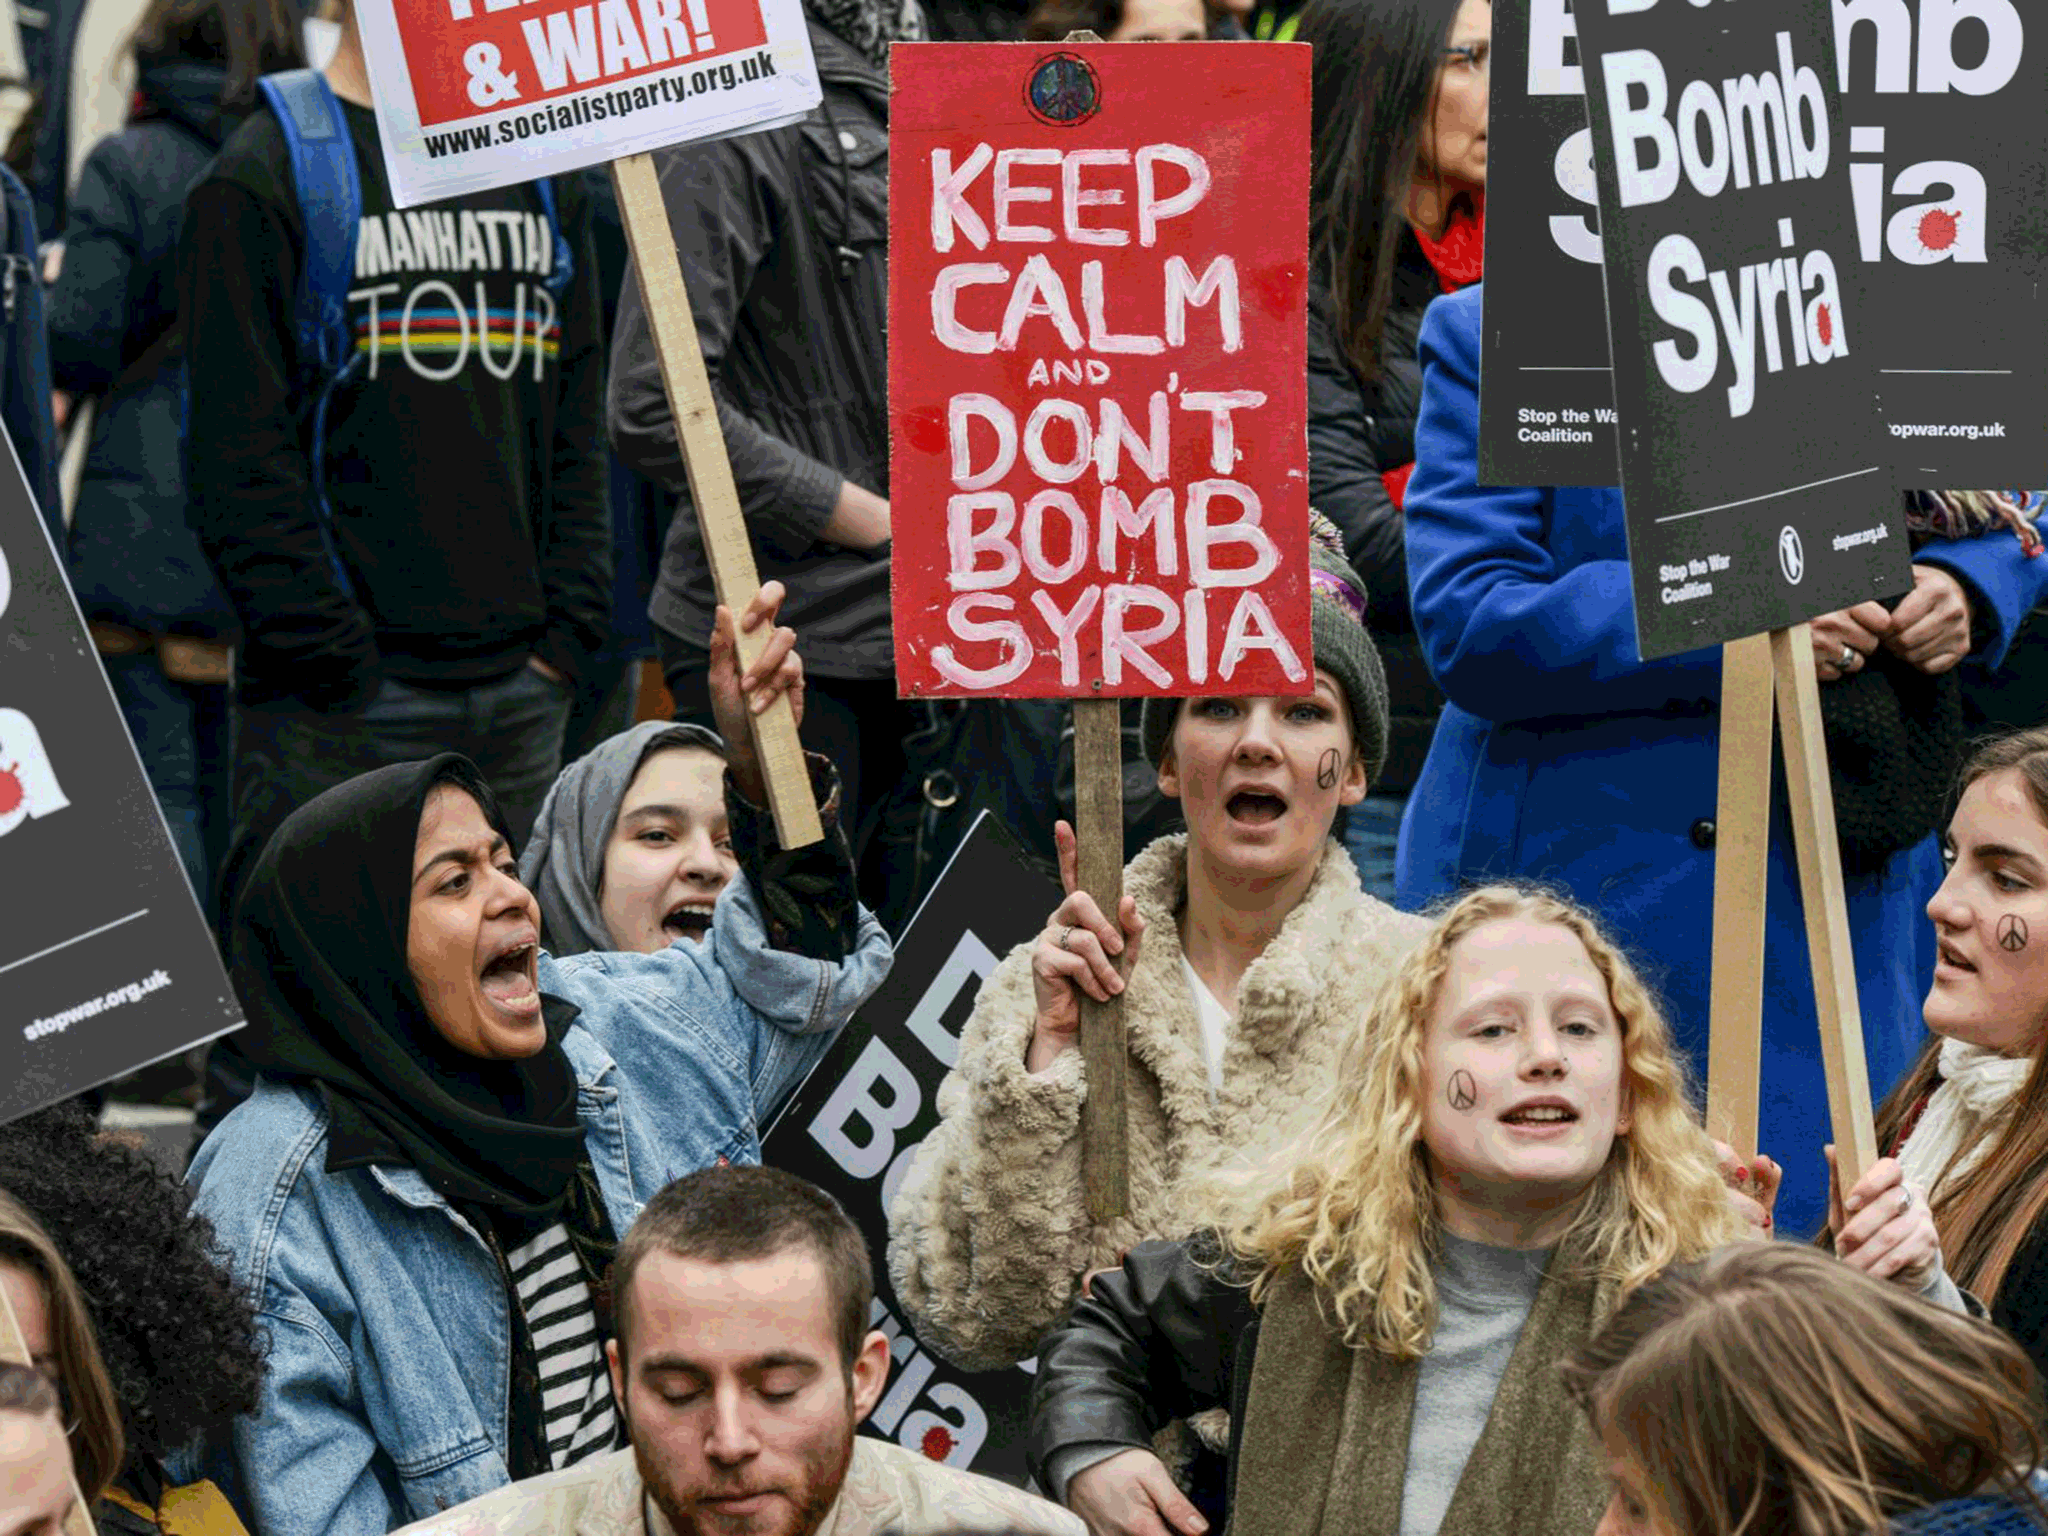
564	264
330	192
330	189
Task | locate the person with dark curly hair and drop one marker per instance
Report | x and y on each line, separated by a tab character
176	1334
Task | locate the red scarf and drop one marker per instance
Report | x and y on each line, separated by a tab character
1459	258
1459	255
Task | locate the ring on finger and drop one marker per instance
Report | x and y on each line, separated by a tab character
1850	656
1905	1199
1068	934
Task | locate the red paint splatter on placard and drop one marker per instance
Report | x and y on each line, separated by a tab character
1825	324
938	1444
11	795
1938	229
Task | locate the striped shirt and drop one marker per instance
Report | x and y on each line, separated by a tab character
578	1418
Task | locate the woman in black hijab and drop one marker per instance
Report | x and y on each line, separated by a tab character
451	1127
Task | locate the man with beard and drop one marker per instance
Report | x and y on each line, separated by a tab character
742	1362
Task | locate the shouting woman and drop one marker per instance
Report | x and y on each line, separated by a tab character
451	1127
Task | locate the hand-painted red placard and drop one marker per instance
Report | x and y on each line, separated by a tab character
1097	368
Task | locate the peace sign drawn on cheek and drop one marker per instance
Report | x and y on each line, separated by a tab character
1463	1092
2012	932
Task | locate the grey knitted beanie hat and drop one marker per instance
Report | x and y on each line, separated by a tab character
1343	649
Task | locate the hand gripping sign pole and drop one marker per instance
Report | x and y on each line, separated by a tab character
1098	284
473	97
1757	672
1727	463
1826	903
1099	856
702	442
1099	853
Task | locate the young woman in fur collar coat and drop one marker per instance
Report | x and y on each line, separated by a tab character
1244	952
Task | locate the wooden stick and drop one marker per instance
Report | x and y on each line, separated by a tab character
1099	855
1821	894
15	1348
702	442
1742	853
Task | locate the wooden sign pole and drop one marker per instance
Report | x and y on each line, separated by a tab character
702	442
1822	895
1099	855
15	1348
1743	853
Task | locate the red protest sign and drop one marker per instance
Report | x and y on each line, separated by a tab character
564	45
1097	369
483	93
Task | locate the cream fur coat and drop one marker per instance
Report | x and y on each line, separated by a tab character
988	1237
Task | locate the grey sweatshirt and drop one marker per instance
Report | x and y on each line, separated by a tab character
1484	1295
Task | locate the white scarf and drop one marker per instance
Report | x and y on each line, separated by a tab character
1976	1086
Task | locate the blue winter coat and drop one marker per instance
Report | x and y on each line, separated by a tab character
1563	758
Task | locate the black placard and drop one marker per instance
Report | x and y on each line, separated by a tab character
105	961
1738	318
856	1121
1963	347
1948	166
1546	399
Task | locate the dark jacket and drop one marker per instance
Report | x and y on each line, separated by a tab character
1168	1335
25	375
2013	696
113	317
2021	1307
1358	432
47	53
783	238
464	458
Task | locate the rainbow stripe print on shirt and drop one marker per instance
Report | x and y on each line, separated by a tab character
436	341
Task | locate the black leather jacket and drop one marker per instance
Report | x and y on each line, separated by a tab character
783	238
1170	1333
1356	432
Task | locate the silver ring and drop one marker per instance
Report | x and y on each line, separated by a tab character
1068	934
1850	655
1907	1204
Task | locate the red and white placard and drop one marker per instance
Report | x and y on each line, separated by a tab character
1097	368
480	93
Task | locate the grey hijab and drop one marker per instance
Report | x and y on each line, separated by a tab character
564	859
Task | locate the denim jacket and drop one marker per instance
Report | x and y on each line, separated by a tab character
389	1380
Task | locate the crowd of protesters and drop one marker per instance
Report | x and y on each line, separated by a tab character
1425	1232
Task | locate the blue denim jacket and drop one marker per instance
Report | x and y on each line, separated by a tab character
390	1337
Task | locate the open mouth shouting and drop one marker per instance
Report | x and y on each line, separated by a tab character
510	977
688	920
1255	805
